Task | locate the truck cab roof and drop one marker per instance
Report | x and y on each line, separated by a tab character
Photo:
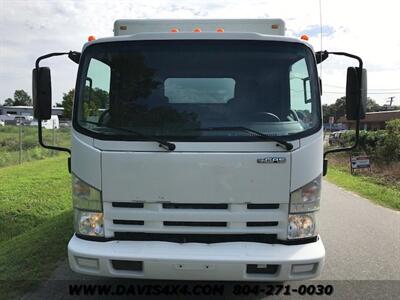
198	36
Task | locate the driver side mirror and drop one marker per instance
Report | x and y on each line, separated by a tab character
41	93
356	93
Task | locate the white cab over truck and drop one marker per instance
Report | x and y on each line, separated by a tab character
197	151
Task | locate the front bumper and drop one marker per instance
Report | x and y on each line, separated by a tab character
195	261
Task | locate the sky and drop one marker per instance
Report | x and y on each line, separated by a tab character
370	29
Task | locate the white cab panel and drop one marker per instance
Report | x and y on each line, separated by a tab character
307	160
242	147
194	177
85	160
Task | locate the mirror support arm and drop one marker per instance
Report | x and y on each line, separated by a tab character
40	138
75	57
40	135
325	54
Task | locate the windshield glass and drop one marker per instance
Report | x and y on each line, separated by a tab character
173	89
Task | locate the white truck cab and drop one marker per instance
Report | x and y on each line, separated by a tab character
197	152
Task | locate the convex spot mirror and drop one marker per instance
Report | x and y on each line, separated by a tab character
356	93
41	93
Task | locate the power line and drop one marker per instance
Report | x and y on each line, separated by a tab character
398	89
383	89
369	93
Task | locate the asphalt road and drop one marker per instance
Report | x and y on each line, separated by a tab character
362	242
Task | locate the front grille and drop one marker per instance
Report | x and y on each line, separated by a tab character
196	218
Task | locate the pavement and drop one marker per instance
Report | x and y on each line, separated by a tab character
362	242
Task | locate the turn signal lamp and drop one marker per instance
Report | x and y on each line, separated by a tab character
304	37
91	38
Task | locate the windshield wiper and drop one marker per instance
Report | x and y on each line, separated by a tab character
163	144
281	143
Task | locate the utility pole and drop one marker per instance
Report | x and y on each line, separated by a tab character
391	100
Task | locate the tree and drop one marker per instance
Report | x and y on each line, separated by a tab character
22	98
372	105
94	99
67	102
9	102
336	110
339	108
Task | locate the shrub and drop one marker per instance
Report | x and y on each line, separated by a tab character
384	145
389	148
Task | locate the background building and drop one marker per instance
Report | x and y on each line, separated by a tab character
373	120
27	110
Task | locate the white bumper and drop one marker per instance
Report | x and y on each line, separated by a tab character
195	261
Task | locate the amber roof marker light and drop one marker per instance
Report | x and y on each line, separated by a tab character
91	38
304	37
174	29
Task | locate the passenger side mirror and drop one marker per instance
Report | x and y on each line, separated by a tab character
356	93
41	93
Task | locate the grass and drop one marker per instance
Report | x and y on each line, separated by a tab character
9	143
365	186
35	222
36	217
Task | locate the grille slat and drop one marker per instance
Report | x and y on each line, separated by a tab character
262	206
128	222
194	206
128	204
195	224
161	228
196	215
196	238
261	224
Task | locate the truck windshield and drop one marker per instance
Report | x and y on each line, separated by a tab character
171	89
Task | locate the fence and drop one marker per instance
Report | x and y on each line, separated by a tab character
19	143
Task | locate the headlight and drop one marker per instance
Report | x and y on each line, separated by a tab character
89	223
85	196
306	198
88	208
304	204
301	226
